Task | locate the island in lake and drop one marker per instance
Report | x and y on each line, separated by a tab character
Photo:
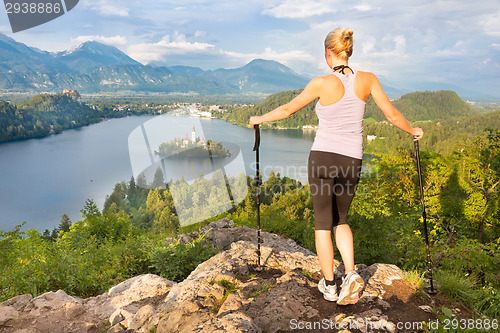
192	148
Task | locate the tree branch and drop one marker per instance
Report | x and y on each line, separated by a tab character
490	190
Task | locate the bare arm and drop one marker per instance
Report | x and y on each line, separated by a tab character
310	92
392	114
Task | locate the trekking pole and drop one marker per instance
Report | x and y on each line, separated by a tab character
424	217
257	182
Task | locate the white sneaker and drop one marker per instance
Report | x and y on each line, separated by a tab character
329	292
352	284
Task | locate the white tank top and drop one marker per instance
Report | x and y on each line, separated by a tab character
340	127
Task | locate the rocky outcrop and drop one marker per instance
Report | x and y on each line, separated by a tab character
58	312
227	293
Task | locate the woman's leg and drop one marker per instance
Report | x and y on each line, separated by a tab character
344	242
324	249
344	190
321	186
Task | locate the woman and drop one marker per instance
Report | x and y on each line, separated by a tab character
335	158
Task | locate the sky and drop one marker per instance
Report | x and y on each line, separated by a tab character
411	44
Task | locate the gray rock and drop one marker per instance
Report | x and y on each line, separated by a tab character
116	317
118	328
53	300
74	310
140	318
214	290
426	308
133	290
18	302
383	304
7	313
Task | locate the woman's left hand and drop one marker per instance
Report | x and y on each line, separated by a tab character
254	121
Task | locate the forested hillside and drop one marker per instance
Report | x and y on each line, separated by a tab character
439	136
426	105
47	114
241	115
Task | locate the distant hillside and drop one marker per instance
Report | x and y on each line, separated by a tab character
241	115
46	114
416	106
94	67
427	105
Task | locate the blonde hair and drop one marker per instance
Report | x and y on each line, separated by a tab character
340	42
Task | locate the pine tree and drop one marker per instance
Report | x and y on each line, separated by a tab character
65	223
158	181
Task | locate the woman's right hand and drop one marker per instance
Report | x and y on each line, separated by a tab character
418	133
254	121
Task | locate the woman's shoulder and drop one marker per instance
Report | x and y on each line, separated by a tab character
322	78
366	78
319	82
325	79
366	75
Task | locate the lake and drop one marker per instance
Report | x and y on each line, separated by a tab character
42	179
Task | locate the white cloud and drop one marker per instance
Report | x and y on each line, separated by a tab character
368	45
108	7
300	9
491	24
285	58
176	49
363	7
461	48
167	46
200	34
117	41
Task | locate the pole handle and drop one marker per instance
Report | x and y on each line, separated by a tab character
419	170
257	137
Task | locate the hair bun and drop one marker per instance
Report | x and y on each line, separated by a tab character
347	33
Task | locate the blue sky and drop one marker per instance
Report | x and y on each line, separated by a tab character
412	45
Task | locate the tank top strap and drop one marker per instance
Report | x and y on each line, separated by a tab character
347	80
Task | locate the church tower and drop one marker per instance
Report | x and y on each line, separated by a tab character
193	136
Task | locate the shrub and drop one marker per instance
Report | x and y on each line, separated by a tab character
458	287
176	261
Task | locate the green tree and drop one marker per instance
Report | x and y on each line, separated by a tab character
142	181
65	223
158	181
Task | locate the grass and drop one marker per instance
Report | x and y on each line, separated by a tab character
306	273
458	287
415	278
262	289
246	278
230	288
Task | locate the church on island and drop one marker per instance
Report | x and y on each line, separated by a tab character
194	140
194	147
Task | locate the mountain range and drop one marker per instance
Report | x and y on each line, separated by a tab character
93	67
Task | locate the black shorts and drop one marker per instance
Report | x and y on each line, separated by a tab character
333	179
